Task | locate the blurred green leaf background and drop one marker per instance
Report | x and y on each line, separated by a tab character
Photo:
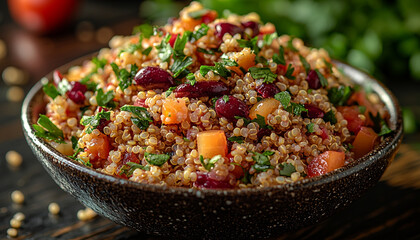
380	37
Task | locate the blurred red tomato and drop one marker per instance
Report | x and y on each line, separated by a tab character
42	16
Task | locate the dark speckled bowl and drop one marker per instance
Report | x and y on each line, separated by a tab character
187	213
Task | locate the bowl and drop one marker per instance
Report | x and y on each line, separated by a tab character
210	213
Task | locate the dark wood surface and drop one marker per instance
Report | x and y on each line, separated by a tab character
390	210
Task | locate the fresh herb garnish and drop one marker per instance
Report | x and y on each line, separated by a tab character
290	45
330	117
206	51
180	64
285	100
191	78
145	29
262	162
247	176
87	164
289	72
263	73
310	128
50	90
218	68
90	85
279	58
339	96
125	77
238	139
94	121
305	64
169	91
268	38
147	51
63	86
48	130
164	49
260	120
198	14
380	125
225	98
329	65
105	99
129	168
142	117
252	44
286	169
362	109
210	164
322	79
156	159
99	63
201	32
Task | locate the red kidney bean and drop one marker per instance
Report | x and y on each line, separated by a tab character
154	78
252	25
313	80
267	90
223	28
231	108
313	112
201	89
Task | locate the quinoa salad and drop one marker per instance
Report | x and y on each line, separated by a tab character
210	102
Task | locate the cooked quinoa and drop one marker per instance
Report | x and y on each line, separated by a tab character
208	102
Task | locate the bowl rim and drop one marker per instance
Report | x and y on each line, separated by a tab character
379	151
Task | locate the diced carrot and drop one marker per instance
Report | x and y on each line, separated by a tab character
364	142
351	114
326	162
263	108
174	111
212	143
98	149
245	60
189	23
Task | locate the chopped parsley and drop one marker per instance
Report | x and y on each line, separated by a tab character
289	72
263	73
322	79
94	121
339	96
225	98
205	51
142	117
329	65
105	99
285	100
63	86
50	90
156	159
262	162
90	85
125	77
201	32
129	168
87	164
145	29
310	128
147	51
191	78
238	139
180	64
290	45
169	91
179	45
218	68
77	150
164	49
48	130
279	58
99	63
247	177
268	38
362	109
286	169
260	120
380	125
252	44
210	164
305	64
330	117
198	14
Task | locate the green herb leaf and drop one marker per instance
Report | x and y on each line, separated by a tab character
225	98
169	91
289	72
252	44
48	130
92	122
286	169
284	98
87	164
179	45
210	164
156	159
180	64
206	51
330	117
63	86
90	85
263	73
305	64
279	58
105	99
147	51
191	78
362	109
99	63
262	162
164	49
310	128
247	177
145	29
198	14
296	109
339	96
142	117
380	125
201	32
329	65
238	139
290	45
130	167
50	90
268	38
322	79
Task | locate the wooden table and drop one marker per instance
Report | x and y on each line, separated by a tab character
391	210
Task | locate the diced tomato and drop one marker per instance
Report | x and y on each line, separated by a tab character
326	162
351	114
238	172
98	149
140	102
365	141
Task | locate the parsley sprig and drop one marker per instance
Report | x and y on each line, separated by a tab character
263	73
210	163
262	161
142	117
380	125
105	99
130	167
286	169
285	100
339	96
156	159
124	76
92	122
48	130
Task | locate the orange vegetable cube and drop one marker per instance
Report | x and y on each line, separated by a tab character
264	108
211	143
326	162
245	60
365	141
174	111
